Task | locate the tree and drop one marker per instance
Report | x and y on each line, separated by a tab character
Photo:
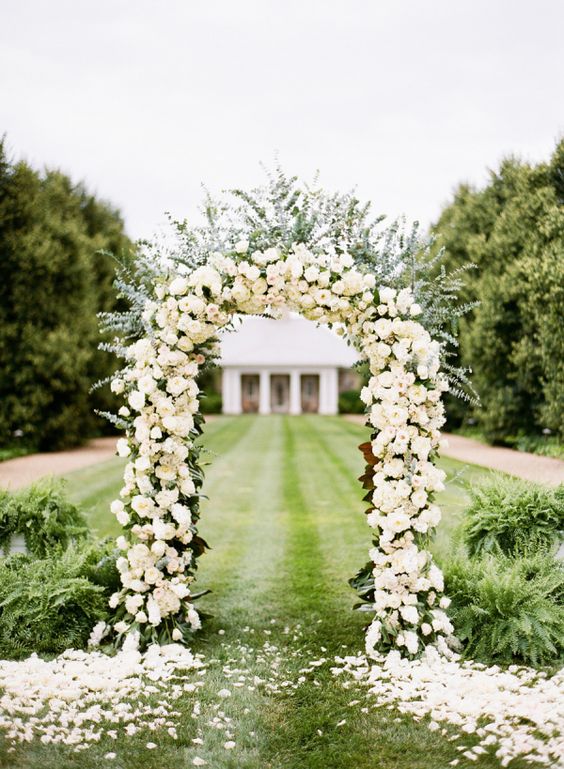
513	230
53	284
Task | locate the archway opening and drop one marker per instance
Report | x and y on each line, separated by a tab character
400	587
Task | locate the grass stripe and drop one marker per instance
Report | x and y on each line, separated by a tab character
286	526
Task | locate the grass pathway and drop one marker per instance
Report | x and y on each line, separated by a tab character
285	522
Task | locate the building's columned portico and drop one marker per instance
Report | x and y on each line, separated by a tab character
288	366
279	390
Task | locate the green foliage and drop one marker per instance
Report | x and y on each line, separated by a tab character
43	515
508	610
54	281
513	517
513	230
285	211
51	604
211	403
350	403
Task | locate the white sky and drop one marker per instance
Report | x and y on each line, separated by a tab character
147	99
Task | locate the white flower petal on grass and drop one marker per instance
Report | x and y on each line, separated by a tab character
519	709
64	695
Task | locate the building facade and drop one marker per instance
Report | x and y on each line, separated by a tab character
287	366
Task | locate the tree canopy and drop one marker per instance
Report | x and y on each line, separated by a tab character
513	230
54	281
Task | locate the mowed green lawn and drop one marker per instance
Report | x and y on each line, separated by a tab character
286	526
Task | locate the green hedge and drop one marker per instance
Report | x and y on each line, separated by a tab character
513	230
211	403
350	403
54	281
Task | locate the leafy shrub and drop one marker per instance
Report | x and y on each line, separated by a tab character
508	610
350	403
211	403
43	516
51	604
513	516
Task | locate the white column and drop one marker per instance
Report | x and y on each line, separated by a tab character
295	393
231	391
264	396
328	391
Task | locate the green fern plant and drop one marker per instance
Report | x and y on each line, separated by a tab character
43	515
508	610
512	517
50	604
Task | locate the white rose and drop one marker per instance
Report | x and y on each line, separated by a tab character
133	603
411	641
397	522
436	577
187	487
383	327
122	447
152	575
122	517
117	386
181	514
116	506
153	611
158	548
178	286
386	294
143	506
146	384
422	371
194	619
136	400
409	614
242	246
142	463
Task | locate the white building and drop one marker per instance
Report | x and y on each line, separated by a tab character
287	366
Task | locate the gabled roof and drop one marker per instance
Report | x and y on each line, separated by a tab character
291	341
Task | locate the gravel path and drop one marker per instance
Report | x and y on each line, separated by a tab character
531	467
19	472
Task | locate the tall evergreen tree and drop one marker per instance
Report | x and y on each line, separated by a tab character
513	230
53	284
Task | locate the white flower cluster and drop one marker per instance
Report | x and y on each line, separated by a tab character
159	501
403	398
513	713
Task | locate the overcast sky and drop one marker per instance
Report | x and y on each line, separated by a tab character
145	100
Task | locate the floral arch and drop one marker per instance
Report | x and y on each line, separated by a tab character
324	275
